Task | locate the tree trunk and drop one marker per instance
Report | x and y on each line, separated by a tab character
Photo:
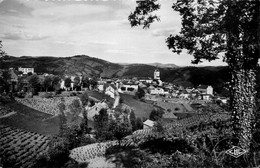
243	101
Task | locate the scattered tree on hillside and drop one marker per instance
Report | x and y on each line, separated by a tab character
77	83
4	80
84	101
84	98
67	82
156	115
5	73
93	83
75	109
62	118
121	129
101	123
3	56
132	119
138	123
85	82
140	93
34	83
47	83
209	29
56	84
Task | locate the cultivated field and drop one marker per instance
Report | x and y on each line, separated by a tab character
89	152
20	148
46	105
30	119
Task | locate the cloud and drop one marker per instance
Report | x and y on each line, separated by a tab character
12	36
65	11
23	36
120	51
164	32
14	8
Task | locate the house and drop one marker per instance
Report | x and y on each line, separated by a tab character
100	87
205	89
94	110
128	88
148	124
110	90
156	91
26	70
145	79
184	94
206	96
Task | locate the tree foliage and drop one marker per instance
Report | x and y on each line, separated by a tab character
156	114
47	82
34	83
210	29
67	82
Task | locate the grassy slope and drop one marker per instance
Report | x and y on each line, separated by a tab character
31	120
141	109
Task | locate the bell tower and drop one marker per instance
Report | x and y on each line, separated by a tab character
157	74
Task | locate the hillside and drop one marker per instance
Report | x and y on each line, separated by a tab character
80	65
90	66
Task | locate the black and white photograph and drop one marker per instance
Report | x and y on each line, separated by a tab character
129	83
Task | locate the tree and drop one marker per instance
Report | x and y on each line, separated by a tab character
93	83
47	83
101	123
156	114
75	109
85	82
211	29
120	130
133	120
4	80
84	99
62	117
139	123
67	82
3	57
56	83
34	83
140	93
77	83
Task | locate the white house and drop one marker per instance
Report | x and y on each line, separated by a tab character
204	89
26	70
148	124
157	91
110	90
128	88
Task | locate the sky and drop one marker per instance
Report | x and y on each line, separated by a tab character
97	28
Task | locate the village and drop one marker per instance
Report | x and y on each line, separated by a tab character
176	101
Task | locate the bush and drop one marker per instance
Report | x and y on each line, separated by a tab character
47	95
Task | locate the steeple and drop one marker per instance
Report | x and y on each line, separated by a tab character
157	73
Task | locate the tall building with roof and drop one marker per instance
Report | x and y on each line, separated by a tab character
157	74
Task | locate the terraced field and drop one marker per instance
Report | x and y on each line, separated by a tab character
89	152
19	147
49	106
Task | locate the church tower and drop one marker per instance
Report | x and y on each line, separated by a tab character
157	74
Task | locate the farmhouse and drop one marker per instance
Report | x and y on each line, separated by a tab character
204	89
26	70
